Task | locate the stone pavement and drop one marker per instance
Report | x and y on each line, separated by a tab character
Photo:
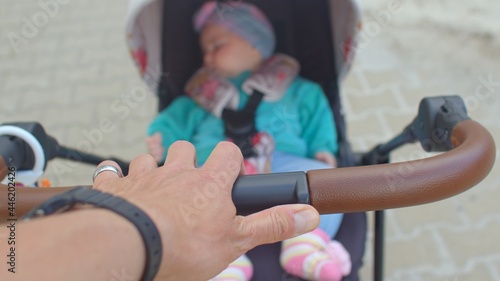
67	66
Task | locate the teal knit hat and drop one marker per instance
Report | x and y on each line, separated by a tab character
241	18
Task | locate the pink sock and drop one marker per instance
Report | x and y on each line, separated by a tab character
239	270
306	256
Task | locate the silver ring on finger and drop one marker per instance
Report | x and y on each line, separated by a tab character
105	168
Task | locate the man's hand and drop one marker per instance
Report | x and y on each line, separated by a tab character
193	210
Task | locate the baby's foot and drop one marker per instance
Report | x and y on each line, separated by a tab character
239	270
306	257
340	255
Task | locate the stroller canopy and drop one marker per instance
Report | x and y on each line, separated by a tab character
147	19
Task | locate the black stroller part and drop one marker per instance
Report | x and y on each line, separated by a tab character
79	156
380	153
435	122
255	193
15	152
378	245
239	125
437	116
19	154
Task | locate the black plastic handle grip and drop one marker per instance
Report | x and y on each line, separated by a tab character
258	192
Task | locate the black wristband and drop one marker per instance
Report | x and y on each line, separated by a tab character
141	220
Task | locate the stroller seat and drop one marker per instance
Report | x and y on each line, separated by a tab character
319	34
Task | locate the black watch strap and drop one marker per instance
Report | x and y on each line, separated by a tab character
141	220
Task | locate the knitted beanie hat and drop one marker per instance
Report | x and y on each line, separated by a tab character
243	19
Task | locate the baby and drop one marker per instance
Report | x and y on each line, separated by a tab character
238	44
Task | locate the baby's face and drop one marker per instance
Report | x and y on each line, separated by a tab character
227	53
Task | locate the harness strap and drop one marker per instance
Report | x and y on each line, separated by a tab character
254	101
239	125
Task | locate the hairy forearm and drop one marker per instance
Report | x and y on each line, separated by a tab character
85	244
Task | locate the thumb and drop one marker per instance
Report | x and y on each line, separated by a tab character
278	223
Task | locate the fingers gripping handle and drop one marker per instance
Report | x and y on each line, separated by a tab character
411	183
250	193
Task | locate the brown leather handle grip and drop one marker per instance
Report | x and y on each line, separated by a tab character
3	168
26	198
395	185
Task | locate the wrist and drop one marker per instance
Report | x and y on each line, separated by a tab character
119	234
136	216
101	242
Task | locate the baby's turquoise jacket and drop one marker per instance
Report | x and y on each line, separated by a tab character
301	122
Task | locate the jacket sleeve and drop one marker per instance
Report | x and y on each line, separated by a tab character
316	117
178	121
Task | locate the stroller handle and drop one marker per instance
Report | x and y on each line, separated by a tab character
395	185
353	189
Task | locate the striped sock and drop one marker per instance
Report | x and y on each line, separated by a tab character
239	270
340	254
306	257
